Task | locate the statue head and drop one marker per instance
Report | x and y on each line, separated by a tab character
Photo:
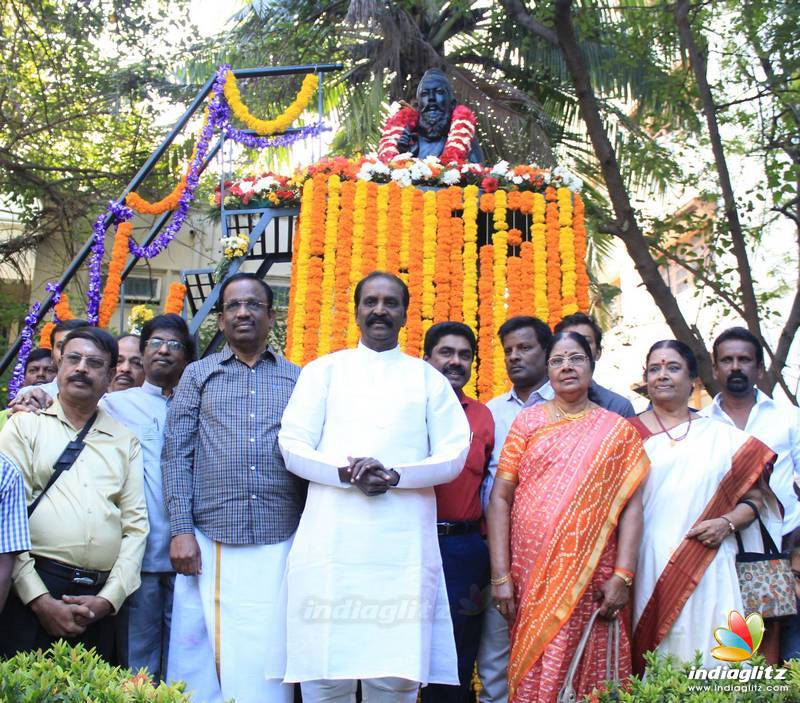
435	100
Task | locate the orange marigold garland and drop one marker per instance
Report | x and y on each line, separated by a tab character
553	259
527	278
405	197
313	297
119	254
136	202
416	279
45	334
516	305
469	303
344	245
370	260
485	380
582	276
62	310
456	270
329	266
175	298
356	261
442	282
382	228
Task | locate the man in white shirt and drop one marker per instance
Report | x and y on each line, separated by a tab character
373	430
738	364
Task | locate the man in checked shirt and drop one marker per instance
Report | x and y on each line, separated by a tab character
233	507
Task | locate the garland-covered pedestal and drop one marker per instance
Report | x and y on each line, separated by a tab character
466	256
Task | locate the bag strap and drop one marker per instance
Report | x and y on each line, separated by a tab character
770	548
65	461
567	692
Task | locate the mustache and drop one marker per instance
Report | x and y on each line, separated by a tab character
736	376
124	375
80	377
372	319
454	368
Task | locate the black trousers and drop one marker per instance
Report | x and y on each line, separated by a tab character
20	630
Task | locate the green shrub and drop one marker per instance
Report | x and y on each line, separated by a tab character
66	674
667	681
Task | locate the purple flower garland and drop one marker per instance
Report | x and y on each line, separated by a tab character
18	375
219	115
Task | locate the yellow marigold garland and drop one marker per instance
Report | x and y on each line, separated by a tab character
406	199
539	238
566	247
469	297
329	266
283	121
527	277
428	258
500	243
175	298
370	259
303	249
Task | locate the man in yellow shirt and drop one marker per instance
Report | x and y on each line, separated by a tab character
88	530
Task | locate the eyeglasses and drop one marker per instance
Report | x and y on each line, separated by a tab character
93	362
556	362
172	344
250	305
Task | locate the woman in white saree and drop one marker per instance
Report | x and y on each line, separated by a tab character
707	480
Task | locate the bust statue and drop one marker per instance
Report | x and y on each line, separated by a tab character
438	128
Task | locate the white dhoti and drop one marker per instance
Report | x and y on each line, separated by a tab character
228	621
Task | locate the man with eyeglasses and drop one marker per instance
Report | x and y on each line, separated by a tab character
86	505
233	507
165	347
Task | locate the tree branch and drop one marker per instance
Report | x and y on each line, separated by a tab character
626	226
516	10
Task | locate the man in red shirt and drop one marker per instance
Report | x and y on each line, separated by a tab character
450	348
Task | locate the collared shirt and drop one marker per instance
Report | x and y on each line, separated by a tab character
460	500
14	534
779	428
143	410
94	515
504	409
222	470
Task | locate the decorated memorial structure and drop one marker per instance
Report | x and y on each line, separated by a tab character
474	243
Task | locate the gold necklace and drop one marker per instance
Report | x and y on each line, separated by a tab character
673	440
563	414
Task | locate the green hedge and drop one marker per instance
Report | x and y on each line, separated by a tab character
66	674
667	681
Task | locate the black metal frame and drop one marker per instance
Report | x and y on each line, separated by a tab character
147	168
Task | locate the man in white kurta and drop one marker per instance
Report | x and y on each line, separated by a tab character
367	597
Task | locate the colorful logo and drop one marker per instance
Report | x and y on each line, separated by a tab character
740	640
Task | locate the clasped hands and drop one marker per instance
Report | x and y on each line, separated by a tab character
369	475
69	616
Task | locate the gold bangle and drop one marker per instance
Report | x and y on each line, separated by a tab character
627	580
501	580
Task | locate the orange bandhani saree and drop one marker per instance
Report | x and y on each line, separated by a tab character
574	477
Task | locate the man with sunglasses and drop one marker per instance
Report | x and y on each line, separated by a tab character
87	514
143	628
233	507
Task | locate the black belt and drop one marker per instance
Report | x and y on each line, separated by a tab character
446	529
74	574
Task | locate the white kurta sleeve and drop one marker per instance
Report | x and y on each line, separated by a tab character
448	438
302	425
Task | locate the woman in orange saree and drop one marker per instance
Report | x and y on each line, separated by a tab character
565	521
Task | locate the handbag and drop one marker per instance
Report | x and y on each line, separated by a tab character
766	580
65	461
567	694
